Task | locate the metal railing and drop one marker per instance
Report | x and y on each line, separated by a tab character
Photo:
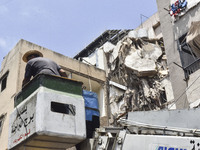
192	68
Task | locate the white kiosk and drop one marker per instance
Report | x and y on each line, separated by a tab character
49	114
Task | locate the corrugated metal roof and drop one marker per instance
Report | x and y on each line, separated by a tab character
112	36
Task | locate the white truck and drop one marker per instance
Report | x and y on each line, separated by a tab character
150	130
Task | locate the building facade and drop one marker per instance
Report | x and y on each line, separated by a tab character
12	73
151	67
136	68
182	56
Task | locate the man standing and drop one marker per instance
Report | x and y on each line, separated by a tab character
36	64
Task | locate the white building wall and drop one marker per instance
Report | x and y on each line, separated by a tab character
101	59
97	59
193	90
152	25
102	104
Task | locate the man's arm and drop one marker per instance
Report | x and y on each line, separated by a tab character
25	81
27	75
62	73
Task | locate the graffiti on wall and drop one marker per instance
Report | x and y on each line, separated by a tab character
22	136
23	123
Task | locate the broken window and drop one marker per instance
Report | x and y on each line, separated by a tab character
157	29
189	59
1	122
3	81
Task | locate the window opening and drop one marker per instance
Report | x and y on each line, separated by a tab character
187	56
190	62
3	81
63	108
1	122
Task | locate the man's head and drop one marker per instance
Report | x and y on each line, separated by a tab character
31	54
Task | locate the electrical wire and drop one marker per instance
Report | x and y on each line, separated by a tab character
175	101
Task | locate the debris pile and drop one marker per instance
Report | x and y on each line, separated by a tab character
139	64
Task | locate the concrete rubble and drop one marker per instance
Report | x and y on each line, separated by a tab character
140	65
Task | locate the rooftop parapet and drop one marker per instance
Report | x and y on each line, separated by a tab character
52	82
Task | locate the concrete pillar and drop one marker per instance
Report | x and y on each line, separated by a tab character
104	120
176	73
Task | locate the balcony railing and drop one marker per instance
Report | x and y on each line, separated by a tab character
192	68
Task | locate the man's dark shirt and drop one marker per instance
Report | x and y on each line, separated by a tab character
40	65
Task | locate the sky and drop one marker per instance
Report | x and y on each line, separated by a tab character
67	26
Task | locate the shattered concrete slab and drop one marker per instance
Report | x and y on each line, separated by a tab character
140	64
108	47
140	56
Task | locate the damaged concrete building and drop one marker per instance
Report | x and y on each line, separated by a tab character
136	68
153	67
122	85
